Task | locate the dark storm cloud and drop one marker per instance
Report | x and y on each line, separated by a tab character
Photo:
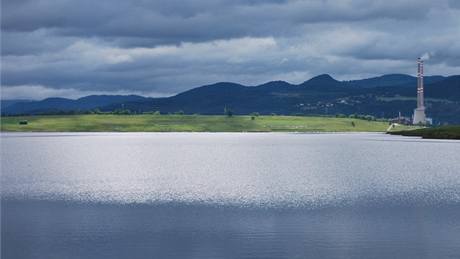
178	20
164	47
454	4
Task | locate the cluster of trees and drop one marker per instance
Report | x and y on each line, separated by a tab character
228	112
129	112
361	117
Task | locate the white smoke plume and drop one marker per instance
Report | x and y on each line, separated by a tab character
426	56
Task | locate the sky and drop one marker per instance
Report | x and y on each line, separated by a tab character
73	48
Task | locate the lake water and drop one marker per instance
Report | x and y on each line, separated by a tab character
228	195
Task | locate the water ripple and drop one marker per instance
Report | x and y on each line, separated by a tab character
263	170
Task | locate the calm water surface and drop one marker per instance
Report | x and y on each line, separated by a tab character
229	195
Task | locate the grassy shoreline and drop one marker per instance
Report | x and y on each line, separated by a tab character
188	123
444	132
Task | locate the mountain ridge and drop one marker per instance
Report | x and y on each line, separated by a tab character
383	96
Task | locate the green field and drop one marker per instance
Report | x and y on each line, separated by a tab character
188	123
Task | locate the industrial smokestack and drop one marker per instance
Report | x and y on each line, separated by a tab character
419	112
420	101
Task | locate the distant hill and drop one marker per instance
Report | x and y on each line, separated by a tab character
6	103
396	80
383	96
53	105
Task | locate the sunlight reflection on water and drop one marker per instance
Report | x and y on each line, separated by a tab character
230	169
206	195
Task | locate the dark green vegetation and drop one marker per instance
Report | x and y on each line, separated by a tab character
444	132
189	123
381	97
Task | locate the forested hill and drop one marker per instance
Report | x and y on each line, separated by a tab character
382	96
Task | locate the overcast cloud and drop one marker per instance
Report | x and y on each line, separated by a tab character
72	48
